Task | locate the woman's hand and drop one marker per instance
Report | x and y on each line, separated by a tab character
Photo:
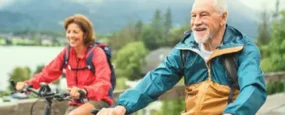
73	92
21	85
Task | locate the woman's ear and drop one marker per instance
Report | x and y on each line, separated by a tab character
84	36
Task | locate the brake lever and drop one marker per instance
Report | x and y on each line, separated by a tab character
13	86
82	96
61	96
94	111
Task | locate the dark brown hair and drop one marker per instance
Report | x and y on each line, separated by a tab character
85	25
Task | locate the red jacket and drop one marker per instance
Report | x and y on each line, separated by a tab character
97	85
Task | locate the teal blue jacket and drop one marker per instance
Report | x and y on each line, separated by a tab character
250	76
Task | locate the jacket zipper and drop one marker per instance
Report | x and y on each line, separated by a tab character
76	76
209	76
208	68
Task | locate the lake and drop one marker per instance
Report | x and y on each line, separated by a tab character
31	56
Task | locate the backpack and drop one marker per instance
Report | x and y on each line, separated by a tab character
228	61
90	65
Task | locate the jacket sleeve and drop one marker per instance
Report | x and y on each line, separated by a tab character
251	81
100	87
50	72
154	84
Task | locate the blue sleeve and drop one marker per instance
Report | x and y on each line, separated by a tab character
154	84
251	81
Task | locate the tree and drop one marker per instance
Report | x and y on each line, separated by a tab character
20	74
8	41
264	26
148	36
173	107
275	87
158	29
157	21
126	35
138	29
276	48
39	68
153	35
36	39
177	34
130	59
168	20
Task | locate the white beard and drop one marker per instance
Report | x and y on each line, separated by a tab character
203	39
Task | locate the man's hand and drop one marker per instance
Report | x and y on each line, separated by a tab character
118	110
223	114
73	92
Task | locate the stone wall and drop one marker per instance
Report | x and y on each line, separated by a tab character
23	107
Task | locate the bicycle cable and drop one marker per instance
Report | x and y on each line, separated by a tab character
31	111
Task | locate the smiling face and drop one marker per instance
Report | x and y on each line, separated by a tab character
79	31
206	20
74	35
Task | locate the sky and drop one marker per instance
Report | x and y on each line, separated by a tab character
258	5
4	3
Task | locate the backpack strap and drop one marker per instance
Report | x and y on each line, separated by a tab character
107	51
88	60
65	57
183	54
231	67
90	53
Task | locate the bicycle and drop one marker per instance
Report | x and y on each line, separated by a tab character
45	93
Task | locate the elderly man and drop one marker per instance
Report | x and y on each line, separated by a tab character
208	84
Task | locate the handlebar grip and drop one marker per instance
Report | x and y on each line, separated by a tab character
82	94
13	85
94	111
65	94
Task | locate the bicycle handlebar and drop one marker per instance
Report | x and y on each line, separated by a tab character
44	92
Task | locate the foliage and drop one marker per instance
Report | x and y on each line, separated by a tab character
2	41
154	34
264	29
275	87
39	68
160	33
127	34
274	55
176	34
130	59
5	93
173	107
20	74
150	37
168	20
121	83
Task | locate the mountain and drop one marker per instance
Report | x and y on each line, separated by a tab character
110	15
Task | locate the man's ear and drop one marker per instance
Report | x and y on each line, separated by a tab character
224	19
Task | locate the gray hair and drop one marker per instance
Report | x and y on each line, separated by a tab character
221	5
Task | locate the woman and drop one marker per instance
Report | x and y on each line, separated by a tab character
80	35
